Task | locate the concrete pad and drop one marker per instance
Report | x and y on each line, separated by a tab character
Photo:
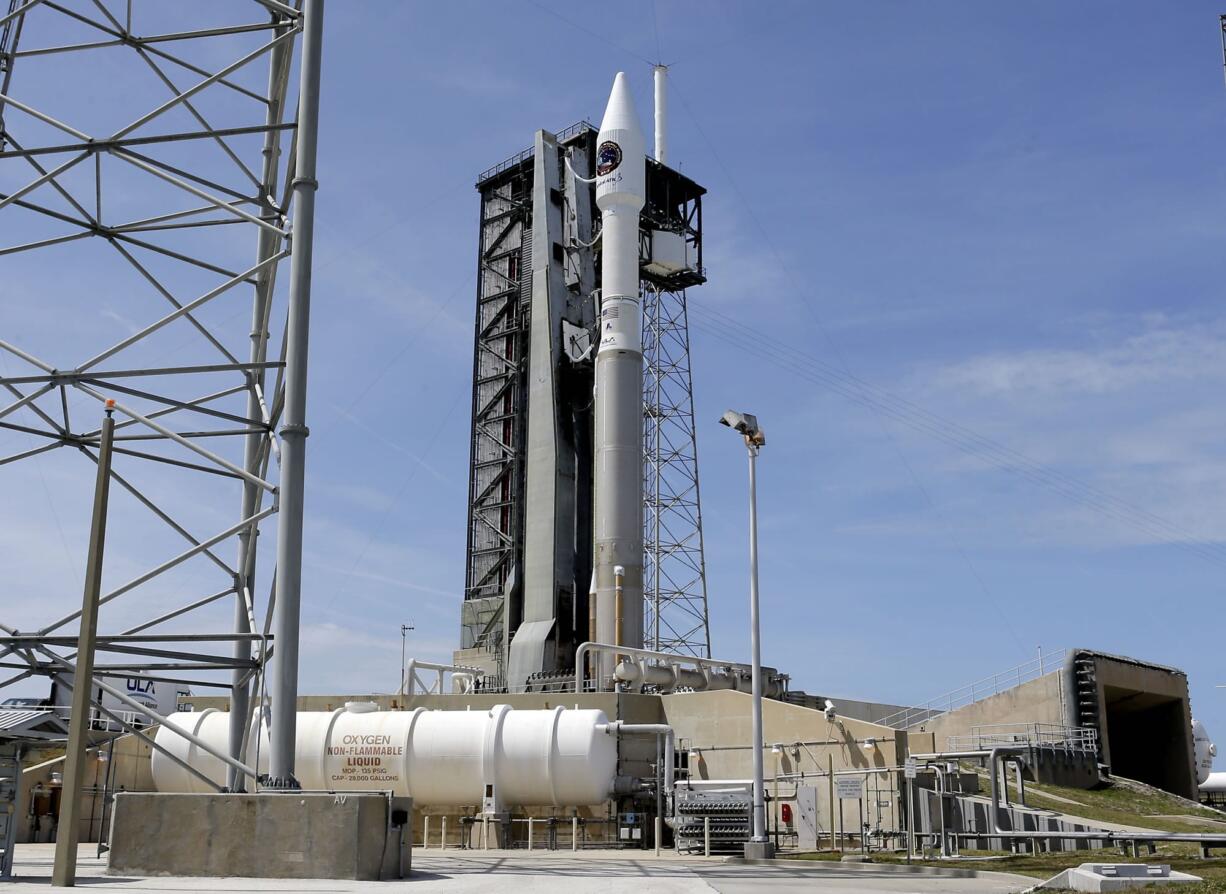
1116	877
759	850
549	872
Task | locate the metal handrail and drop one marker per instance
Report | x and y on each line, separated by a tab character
1053	735
976	690
466	675
96	716
519	157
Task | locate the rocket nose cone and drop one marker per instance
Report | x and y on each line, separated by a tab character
619	114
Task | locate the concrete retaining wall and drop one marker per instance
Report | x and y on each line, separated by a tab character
259	836
1035	701
973	816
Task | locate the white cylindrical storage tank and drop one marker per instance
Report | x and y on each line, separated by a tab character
495	757
211	726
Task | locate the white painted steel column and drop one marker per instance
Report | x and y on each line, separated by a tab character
294	430
759	799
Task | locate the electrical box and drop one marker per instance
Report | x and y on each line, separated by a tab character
630	828
808	829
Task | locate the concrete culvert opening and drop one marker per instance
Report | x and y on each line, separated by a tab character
1143	717
1148	738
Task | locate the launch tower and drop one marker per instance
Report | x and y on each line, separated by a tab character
529	556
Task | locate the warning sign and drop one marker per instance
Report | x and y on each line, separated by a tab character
849	788
366	759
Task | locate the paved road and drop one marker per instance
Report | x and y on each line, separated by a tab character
832	878
544	873
547	875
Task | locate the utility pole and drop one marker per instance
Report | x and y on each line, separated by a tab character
404	630
64	873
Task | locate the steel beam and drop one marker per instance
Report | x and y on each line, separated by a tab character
294	429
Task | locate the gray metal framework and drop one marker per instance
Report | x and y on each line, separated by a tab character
496	482
674	570
529	513
190	195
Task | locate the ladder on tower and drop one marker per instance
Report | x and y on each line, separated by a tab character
1087	693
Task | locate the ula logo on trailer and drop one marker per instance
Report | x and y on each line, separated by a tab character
608	157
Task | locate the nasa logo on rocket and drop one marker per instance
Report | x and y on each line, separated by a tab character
608	157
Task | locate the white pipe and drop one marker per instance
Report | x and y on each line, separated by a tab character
621	728
634	670
941	789
659	74
466	676
575	173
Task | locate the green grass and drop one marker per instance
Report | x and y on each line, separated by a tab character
1121	803
1126	804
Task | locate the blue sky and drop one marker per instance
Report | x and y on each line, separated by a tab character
1008	215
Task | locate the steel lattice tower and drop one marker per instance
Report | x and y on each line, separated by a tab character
674	571
157	162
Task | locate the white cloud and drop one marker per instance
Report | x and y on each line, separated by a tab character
1130	416
1156	355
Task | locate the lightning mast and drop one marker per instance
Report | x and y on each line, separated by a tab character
674	569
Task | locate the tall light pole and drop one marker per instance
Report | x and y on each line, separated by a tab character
404	633
759	845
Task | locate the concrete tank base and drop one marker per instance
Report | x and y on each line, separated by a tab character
360	836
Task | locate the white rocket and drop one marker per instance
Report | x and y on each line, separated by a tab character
618	475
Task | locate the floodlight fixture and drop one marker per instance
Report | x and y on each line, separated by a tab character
745	424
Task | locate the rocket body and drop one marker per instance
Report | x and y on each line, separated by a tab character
618	473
